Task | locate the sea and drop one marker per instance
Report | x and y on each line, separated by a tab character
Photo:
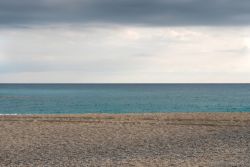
122	98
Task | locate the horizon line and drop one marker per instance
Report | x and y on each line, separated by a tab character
125	83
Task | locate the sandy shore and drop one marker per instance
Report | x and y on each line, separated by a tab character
187	139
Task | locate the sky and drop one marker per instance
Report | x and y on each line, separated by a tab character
124	41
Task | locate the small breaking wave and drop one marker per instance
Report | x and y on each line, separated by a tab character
14	97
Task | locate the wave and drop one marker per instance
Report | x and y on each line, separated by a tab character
13	114
14	97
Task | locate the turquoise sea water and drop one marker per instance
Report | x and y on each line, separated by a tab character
123	98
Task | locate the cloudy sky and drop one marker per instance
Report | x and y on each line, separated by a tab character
103	41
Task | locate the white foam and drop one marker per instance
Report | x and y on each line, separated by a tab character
9	114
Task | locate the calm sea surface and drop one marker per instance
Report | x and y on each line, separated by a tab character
122	98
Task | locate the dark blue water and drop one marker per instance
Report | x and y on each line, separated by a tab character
123	98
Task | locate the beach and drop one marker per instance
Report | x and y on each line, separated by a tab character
166	139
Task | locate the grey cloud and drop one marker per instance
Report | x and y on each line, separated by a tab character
241	51
131	12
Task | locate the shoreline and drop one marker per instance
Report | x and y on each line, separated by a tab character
170	116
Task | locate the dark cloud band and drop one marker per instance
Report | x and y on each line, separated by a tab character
132	12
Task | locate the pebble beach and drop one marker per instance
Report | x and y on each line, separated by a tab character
169	139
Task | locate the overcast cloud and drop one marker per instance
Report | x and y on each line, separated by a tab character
124	41
132	12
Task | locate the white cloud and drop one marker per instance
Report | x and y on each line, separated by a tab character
125	54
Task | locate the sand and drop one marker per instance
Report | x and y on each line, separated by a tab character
184	139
